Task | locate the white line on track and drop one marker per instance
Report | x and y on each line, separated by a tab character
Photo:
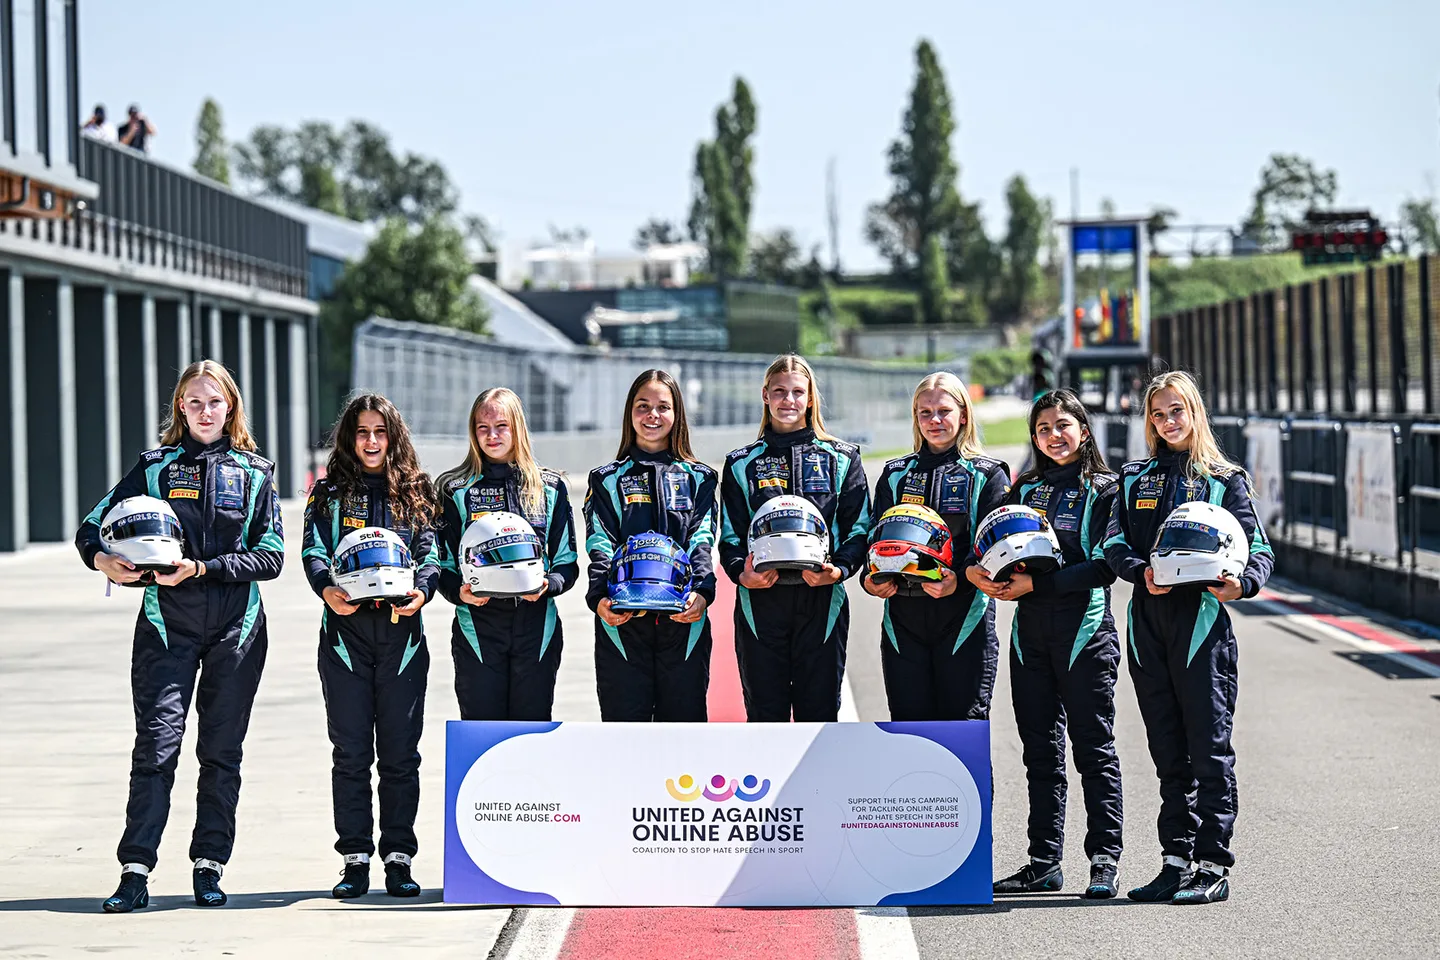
533	933
885	933
1282	609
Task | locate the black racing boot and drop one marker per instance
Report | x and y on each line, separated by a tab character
398	882
132	894
1210	884
1037	876
357	877
1173	875
206	880
1102	878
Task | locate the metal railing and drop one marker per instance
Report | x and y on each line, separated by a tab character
434	375
151	214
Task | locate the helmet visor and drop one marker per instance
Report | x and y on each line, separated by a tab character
517	548
787	521
145	525
1187	535
380	553
652	565
912	530
1007	526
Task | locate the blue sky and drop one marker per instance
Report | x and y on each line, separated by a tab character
588	113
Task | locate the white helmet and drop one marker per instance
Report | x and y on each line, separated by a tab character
789	533
502	556
145	532
1015	539
373	563
1198	543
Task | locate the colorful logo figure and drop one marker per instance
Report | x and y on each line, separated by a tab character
749	789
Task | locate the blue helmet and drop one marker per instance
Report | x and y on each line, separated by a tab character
649	573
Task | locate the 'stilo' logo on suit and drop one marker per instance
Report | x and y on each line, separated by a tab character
749	789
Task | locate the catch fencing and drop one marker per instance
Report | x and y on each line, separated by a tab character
576	398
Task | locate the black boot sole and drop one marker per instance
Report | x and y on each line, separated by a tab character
351	893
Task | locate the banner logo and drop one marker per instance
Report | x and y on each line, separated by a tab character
686	791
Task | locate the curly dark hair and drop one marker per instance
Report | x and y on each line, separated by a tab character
412	494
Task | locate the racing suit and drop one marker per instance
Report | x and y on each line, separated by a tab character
790	638
650	667
212	626
507	651
373	674
1064	657
1183	654
939	656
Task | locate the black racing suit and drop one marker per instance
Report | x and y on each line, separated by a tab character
1183	654
212	625
939	655
650	667
373	673
507	651
1064	657
790	638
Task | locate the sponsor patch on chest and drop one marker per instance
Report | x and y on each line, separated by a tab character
677	492
954	490
772	473
635	489
815	473
354	512
229	487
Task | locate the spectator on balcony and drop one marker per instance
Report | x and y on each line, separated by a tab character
98	127
137	131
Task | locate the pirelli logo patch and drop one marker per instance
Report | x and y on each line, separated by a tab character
355	522
184	493
773	482
638	498
1146	504
911	498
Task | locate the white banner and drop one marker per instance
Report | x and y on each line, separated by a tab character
732	814
1263	446
1370	488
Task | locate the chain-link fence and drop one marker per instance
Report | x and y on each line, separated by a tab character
434	375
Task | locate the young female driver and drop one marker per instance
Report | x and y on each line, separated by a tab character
652	666
1183	655
204	619
1064	651
790	633
373	658
507	651
937	648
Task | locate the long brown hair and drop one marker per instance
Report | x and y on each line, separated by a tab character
679	438
412	495
532	484
1092	460
1205	455
236	423
967	441
794	363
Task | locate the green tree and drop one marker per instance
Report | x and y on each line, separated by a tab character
911	226
1157	223
407	273
353	172
211	152
1021	246
775	257
974	261
656	232
1421	222
1290	185
723	185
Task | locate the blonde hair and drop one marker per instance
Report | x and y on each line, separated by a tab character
532	484
794	363
967	441
1205	454
236	423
